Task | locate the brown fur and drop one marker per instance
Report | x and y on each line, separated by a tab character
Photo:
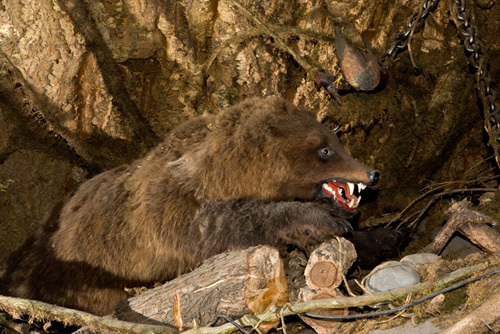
244	177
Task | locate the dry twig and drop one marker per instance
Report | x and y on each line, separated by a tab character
415	222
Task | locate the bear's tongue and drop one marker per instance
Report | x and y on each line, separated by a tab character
344	193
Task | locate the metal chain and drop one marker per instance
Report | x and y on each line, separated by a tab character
478	62
415	24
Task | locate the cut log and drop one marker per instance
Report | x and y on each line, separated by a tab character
328	263
323	275
232	284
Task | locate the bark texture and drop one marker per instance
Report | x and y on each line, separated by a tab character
233	284
325	268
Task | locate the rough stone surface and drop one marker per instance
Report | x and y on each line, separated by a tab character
460	247
419	259
392	276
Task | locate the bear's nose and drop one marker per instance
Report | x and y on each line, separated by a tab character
373	177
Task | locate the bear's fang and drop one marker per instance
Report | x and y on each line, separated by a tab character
345	194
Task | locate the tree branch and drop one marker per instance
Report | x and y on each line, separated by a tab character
44	311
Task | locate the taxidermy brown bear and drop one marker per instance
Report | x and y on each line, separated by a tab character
261	172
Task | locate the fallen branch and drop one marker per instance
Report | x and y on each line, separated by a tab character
470	223
413	203
414	223
48	312
43	311
432	190
385	296
485	237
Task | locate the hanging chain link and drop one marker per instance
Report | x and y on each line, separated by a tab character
477	61
415	24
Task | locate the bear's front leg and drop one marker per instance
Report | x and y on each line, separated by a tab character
310	224
224	225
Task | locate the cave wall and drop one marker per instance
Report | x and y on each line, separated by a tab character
89	85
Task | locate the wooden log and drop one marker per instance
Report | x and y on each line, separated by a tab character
323	270
323	275
40	311
322	326
328	263
233	284
471	224
485	237
296	262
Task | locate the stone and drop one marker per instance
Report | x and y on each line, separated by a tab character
391	275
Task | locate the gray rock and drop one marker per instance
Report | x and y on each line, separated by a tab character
419	259
392	275
460	247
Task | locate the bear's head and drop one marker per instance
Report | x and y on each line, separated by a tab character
268	149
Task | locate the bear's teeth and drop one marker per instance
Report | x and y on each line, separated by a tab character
351	188
327	187
354	202
329	190
361	186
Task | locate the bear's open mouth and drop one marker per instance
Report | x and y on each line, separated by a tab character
346	194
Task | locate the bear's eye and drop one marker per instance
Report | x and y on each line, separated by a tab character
326	152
